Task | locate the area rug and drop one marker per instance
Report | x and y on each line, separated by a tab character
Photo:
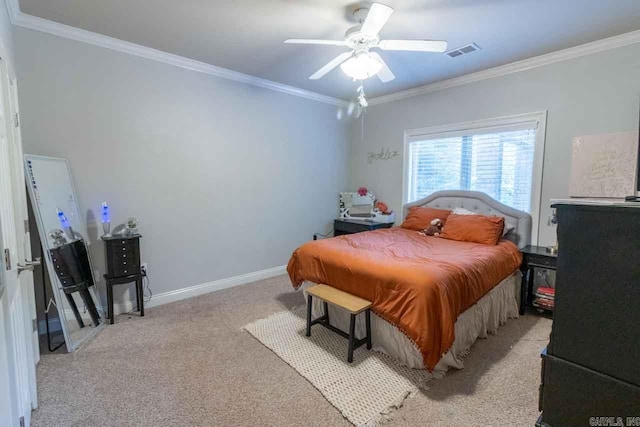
366	391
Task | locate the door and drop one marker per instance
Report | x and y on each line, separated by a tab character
17	356
22	227
22	212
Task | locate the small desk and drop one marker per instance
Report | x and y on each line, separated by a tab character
350	226
533	257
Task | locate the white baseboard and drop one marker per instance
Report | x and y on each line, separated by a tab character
203	288
179	294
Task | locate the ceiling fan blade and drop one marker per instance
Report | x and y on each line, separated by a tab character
378	15
320	42
331	65
414	45
385	75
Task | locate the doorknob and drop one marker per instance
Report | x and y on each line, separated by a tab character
28	265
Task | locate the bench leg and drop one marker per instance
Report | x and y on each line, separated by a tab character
367	318
352	332
309	301
326	311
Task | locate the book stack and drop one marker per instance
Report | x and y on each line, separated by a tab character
544	297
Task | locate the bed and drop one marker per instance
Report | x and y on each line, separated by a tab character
432	297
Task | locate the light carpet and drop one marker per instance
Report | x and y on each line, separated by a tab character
364	391
190	363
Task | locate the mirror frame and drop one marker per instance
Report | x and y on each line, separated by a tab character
53	277
343	209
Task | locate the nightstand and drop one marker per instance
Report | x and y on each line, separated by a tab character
533	257
123	266
350	226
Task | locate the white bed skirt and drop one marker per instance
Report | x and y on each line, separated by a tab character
484	317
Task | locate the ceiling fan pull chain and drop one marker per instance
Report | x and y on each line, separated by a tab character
361	108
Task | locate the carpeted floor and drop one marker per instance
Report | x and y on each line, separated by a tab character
190	363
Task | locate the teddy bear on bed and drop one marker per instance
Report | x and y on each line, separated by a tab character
434	229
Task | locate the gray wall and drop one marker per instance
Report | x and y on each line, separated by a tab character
225	178
228	178
589	95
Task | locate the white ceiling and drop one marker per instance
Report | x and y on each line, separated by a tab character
246	36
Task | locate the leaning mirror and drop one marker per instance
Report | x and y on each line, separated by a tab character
65	243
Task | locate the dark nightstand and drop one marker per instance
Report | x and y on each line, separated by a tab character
350	226
533	257
123	266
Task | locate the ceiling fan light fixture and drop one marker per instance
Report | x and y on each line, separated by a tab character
360	63
361	66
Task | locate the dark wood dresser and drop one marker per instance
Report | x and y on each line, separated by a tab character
123	266
350	226
591	367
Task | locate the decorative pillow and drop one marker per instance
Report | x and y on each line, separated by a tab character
508	228
473	228
420	217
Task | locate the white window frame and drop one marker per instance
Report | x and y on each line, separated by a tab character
538	119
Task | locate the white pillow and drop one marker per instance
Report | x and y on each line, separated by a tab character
508	228
463	211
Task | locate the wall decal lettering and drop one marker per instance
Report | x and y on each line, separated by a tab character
384	154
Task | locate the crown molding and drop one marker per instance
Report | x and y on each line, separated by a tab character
515	67
21	19
47	26
13	9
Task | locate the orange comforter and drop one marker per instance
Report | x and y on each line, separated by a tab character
420	284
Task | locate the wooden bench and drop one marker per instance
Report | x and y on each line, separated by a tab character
353	304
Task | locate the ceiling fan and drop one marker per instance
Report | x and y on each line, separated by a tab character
361	63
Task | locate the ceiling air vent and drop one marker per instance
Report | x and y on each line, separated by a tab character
463	50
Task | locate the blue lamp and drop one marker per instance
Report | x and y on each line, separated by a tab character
65	224
106	220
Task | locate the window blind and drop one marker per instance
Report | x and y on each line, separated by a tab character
496	162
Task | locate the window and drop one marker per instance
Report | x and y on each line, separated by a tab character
501	157
499	164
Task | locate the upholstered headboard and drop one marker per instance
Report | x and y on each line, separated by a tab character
483	204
